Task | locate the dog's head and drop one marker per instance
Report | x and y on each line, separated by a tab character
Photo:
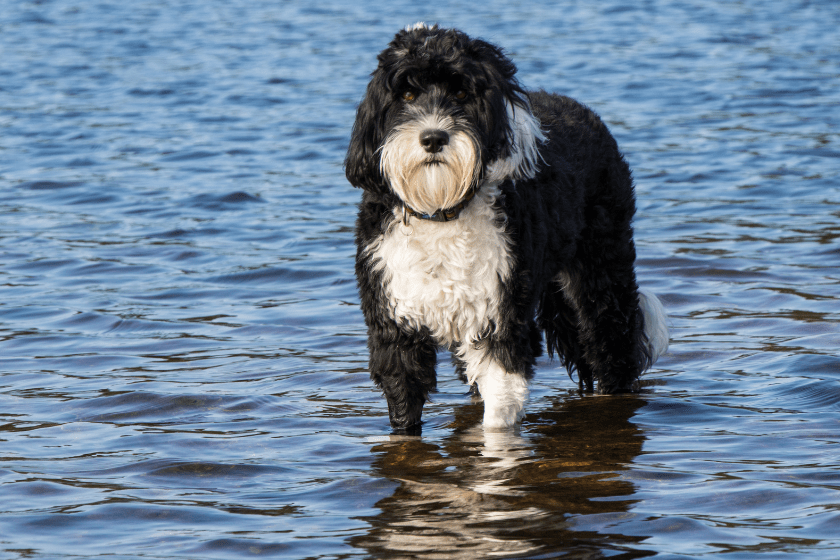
442	113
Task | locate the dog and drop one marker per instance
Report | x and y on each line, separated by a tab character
490	215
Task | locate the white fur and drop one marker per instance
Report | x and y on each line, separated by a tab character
504	394
418	25
446	275
656	324
425	186
524	158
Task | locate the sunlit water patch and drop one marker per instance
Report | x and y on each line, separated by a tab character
182	356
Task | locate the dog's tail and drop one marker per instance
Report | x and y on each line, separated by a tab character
656	326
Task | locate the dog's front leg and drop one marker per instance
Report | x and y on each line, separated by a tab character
504	392
403	366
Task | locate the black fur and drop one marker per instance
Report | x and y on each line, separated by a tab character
572	220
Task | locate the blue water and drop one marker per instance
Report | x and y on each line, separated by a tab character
182	355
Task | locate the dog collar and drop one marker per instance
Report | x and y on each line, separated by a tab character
443	215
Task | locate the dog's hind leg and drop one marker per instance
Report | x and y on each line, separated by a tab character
603	326
602	290
560	323
599	284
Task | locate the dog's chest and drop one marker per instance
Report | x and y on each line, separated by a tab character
446	276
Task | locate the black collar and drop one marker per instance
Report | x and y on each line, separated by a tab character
443	215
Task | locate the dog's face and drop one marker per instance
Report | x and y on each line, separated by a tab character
431	155
442	113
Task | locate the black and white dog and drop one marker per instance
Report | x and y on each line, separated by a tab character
490	214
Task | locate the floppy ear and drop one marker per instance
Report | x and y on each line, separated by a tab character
362	162
514	130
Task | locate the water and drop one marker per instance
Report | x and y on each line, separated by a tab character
183	363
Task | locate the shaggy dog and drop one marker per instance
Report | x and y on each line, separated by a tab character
490	214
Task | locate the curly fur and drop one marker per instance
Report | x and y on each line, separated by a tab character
545	246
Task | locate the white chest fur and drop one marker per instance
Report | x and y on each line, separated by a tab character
446	276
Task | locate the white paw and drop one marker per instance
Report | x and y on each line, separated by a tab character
505	395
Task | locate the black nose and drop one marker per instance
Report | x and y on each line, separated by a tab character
433	141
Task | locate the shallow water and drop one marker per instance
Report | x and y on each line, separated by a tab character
183	362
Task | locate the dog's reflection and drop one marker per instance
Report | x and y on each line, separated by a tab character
479	494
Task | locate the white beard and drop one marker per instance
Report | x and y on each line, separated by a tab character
430	182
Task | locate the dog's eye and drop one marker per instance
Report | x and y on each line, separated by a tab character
460	95
409	95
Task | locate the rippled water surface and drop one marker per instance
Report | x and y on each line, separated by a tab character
183	363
